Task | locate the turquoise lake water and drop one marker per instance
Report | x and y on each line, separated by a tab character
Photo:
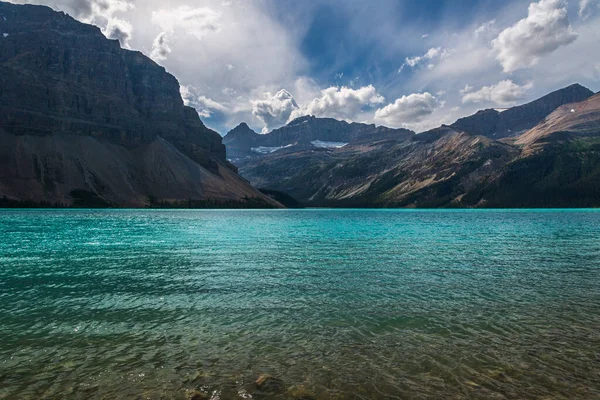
337	304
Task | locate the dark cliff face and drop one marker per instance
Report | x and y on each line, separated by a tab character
78	114
517	120
61	76
303	131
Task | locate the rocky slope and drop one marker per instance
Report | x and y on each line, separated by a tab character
81	118
516	120
419	172
559	164
568	121
554	164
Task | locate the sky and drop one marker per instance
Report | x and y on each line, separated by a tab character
398	63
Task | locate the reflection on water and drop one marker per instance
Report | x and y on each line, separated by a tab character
334	304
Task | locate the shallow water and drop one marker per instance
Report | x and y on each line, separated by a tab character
338	304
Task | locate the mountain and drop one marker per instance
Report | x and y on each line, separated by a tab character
383	173
559	164
306	132
83	121
556	163
497	124
240	141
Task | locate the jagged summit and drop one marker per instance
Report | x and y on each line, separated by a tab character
242	125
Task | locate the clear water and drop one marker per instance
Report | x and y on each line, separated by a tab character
338	304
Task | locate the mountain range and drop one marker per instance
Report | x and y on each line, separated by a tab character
85	122
542	154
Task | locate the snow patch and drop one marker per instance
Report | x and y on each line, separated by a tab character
299	121
268	150
328	145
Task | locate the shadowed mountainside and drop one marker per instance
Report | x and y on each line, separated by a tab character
82	118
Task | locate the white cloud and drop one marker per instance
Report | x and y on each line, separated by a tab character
203	105
435	53
160	47
245	36
545	29
119	29
197	22
341	102
484	28
585	7
468	88
274	110
407	111
504	93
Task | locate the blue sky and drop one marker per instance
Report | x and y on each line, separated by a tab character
402	63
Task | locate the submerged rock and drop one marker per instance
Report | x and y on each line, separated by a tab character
268	383
198	395
300	393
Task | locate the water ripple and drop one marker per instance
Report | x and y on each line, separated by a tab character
338	304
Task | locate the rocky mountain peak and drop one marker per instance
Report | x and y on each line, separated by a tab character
301	120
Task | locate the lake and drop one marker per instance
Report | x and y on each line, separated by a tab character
333	304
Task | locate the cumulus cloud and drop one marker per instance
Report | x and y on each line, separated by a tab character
504	93
197	22
427	59
118	29
408	110
545	29
341	103
274	110
203	105
160	47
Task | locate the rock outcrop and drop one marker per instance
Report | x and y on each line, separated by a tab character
79	114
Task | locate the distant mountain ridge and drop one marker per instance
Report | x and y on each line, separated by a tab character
516	120
554	163
302	132
82	119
